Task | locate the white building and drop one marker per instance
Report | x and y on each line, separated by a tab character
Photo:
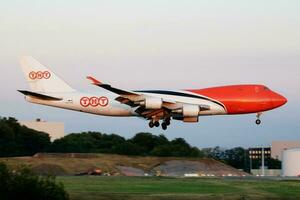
291	162
54	129
279	146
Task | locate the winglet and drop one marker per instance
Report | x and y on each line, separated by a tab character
94	81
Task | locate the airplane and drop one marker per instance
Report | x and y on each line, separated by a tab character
46	88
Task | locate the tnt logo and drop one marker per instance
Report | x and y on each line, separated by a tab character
94	101
39	75
103	101
85	101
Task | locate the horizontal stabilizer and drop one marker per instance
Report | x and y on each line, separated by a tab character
39	96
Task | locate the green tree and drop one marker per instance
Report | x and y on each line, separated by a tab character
237	157
147	141
22	184
128	148
7	140
17	140
87	142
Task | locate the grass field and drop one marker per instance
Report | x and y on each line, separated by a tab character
154	188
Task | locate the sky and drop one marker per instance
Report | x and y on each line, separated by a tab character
158	44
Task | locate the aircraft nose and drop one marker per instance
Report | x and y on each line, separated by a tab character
278	100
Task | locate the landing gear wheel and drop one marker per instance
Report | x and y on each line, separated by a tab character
164	126
151	124
258	121
156	123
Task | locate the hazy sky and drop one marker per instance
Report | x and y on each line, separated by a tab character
158	44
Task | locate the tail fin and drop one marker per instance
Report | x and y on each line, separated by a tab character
42	79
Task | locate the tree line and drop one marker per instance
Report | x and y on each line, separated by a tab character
17	140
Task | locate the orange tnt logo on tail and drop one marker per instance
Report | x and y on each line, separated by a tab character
32	75
39	75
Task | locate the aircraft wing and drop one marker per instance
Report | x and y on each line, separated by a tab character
126	97
110	88
135	99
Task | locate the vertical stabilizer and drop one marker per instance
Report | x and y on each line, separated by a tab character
41	79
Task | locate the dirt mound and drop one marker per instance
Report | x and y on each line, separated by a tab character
202	168
130	171
48	169
66	155
71	164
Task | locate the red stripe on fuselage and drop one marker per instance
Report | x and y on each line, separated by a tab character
241	99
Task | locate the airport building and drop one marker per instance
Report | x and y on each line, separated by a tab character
54	129
261	155
277	151
291	162
258	153
279	146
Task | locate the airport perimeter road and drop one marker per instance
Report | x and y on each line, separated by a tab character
148	188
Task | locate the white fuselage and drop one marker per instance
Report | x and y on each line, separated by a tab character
74	101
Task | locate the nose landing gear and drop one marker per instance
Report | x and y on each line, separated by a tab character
258	121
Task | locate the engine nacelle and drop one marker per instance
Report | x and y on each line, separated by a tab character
190	119
152	103
188	113
190	110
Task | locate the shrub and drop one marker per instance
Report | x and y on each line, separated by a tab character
23	184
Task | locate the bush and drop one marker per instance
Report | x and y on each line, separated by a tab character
22	184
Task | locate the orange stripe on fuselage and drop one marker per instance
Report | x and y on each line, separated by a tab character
240	99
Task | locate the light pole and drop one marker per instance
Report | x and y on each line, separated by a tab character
263	162
250	156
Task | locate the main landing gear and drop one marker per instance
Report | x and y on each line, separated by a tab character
164	124
153	123
258	121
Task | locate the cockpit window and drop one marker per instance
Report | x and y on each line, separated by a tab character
266	88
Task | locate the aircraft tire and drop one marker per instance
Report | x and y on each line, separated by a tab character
258	122
164	126
151	124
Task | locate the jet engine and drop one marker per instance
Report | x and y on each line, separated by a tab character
152	103
188	110
187	113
